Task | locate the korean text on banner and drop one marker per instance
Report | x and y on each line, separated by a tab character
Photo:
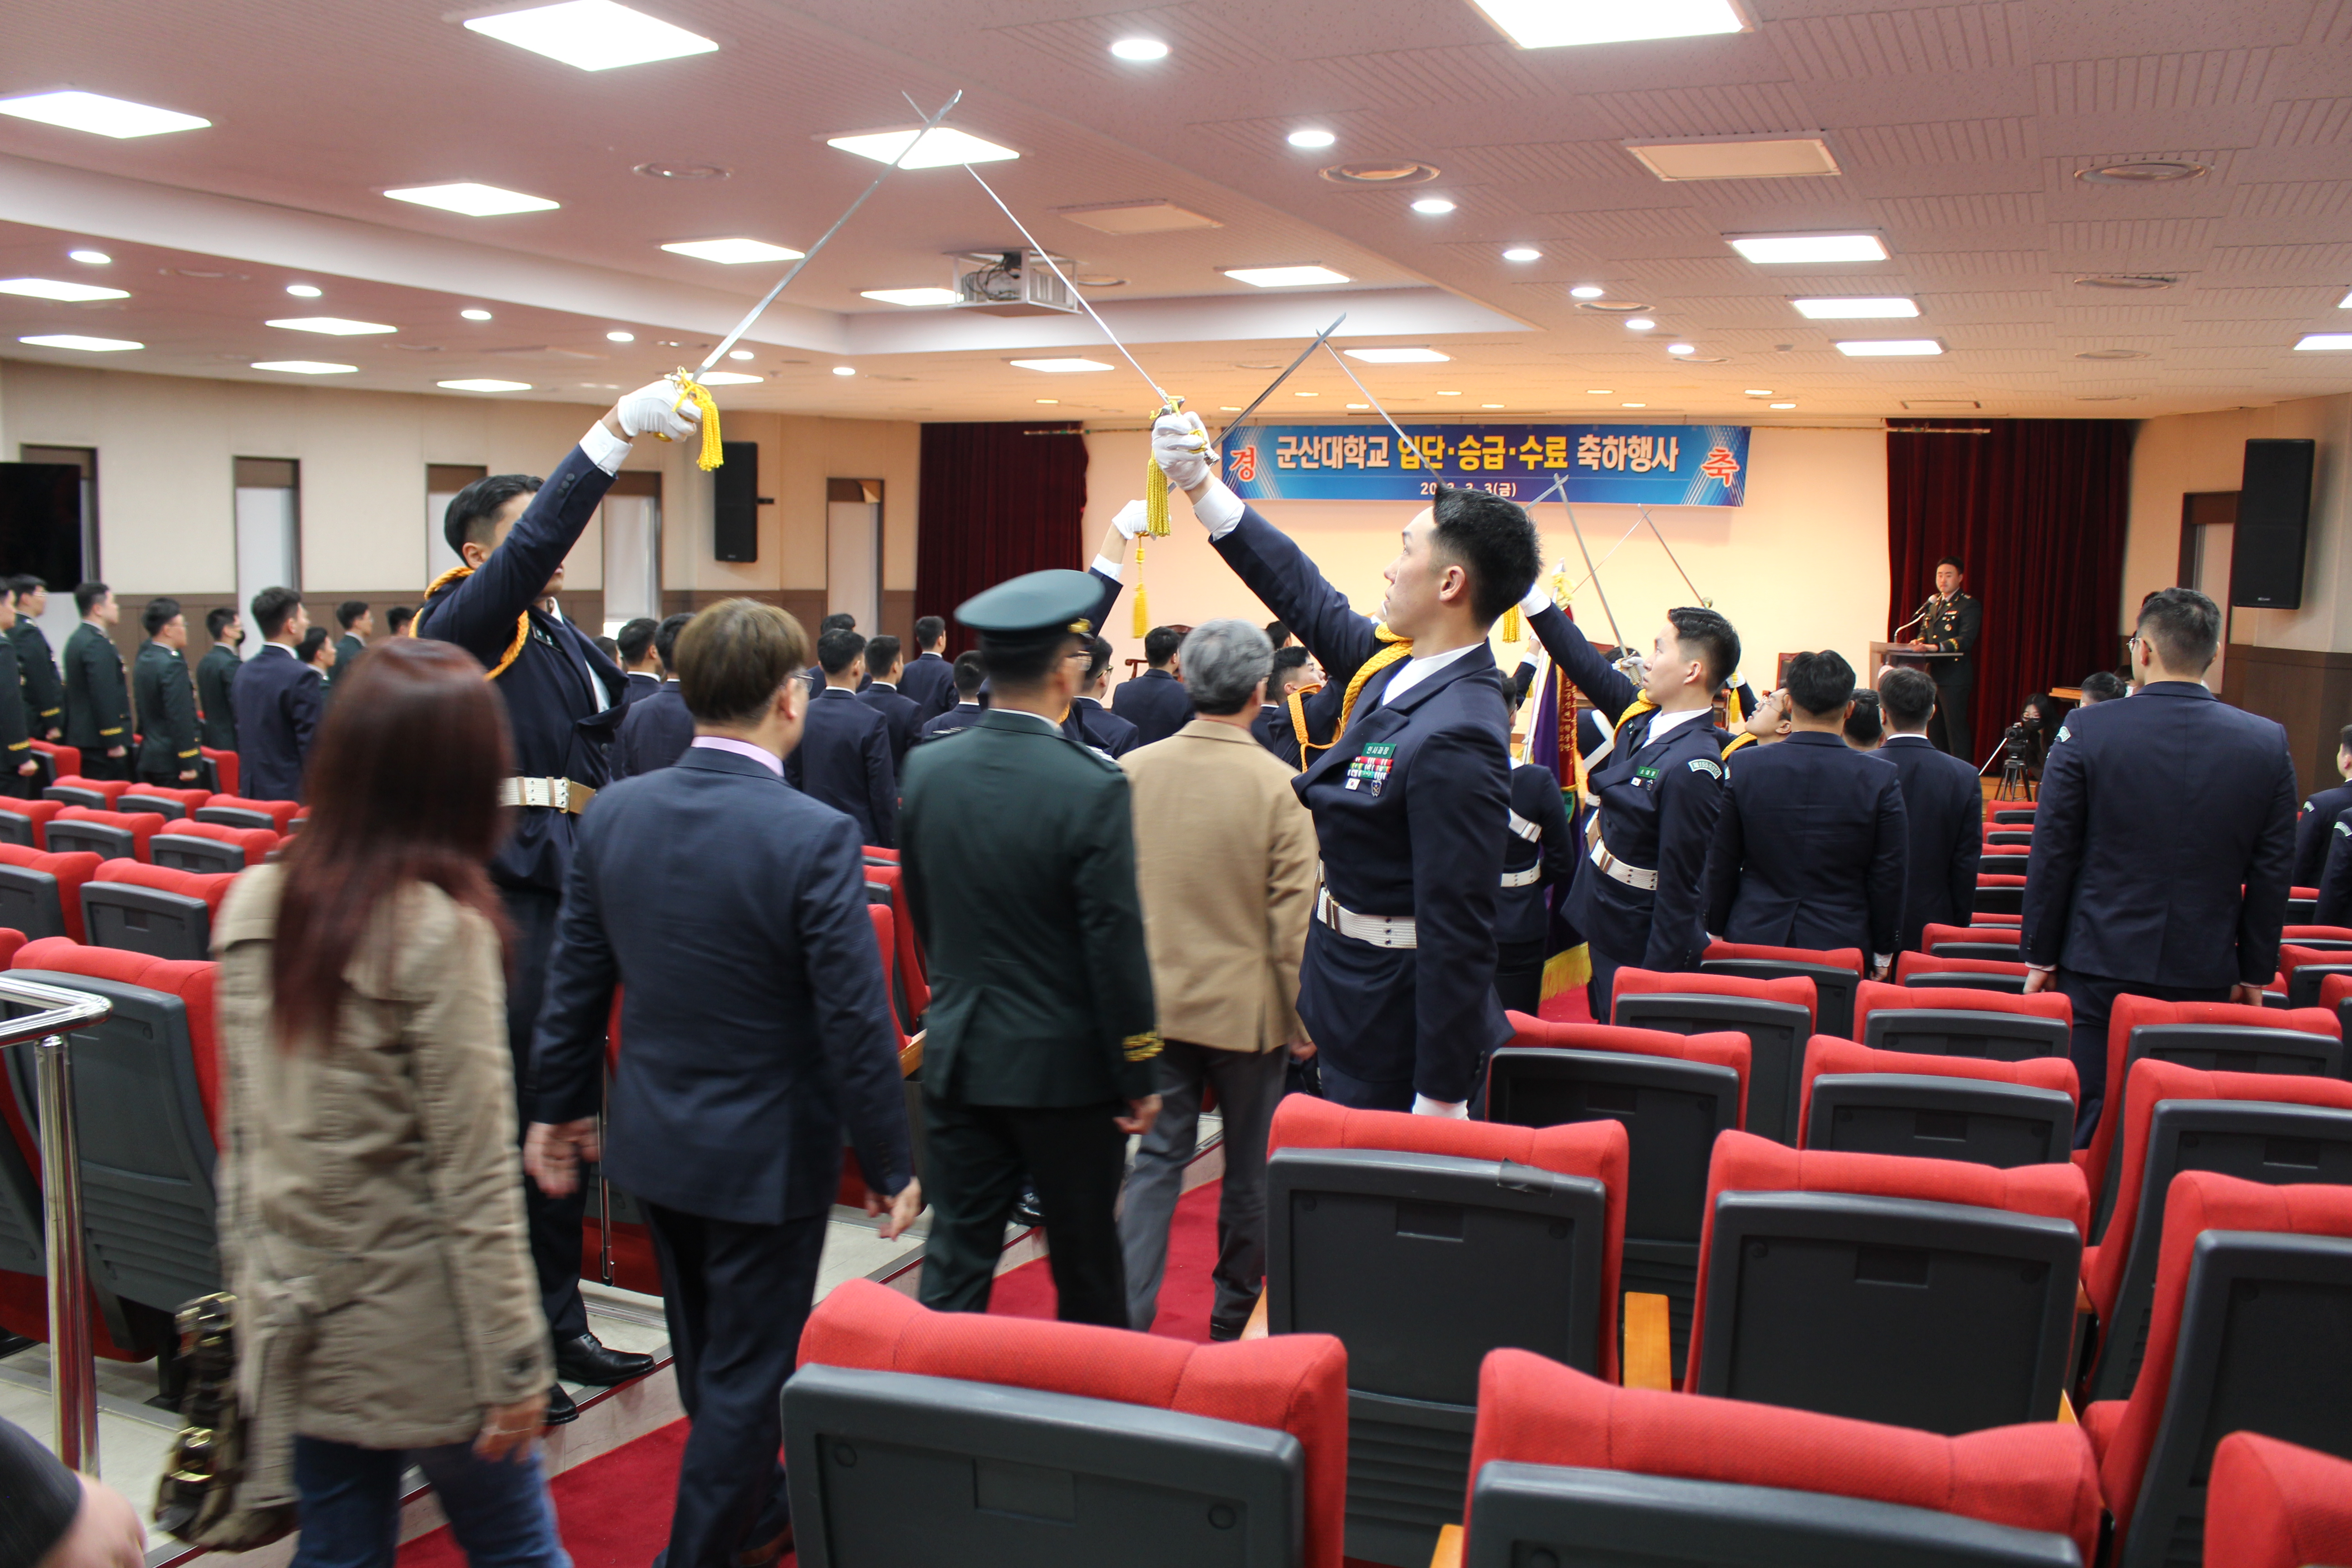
1652	465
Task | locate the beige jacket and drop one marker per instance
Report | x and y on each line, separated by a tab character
370	1196
1226	862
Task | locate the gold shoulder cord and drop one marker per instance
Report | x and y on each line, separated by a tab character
523	622
1397	648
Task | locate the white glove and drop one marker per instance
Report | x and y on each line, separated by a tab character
649	411
1424	1106
1538	596
1129	521
1180	443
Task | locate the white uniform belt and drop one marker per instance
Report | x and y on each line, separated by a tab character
556	795
1380	931
1530	831
1632	876
1521	879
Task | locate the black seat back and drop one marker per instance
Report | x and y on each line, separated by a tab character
16	828
1974	1120
1966	980
74	794
2012	836
1834	987
235	817
1995	952
2000	898
1776	1031
2302	911
1964	1032
2261	1350
146	1148
146	920
162	805
1670	1111
2270	1142
2302	987
104	839
1940	1316
1420	1263
31	902
186	852
2023	814
1523	1514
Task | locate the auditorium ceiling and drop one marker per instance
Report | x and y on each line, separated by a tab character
1999	154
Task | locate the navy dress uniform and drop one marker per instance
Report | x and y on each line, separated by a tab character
962	716
2162	846
899	712
282	703
2334	880
1943	808
1810	849
1539	855
928	683
843	762
1155	702
1397	986
2314	832
556	683
1951	625
654	733
1091	724
1273	730
97	703
167	716
1018	846
1657	786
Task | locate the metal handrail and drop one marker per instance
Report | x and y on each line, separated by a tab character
73	1374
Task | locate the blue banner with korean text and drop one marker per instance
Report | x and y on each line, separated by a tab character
1651	465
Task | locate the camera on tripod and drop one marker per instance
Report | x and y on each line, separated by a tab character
2016	744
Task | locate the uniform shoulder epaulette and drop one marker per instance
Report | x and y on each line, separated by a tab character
1096	754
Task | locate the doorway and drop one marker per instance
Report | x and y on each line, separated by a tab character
268	534
632	549
853	551
2209	527
61	567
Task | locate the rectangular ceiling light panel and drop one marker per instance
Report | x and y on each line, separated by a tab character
1884	308
1398	356
594	34
1059	366
911	296
1735	157
472	200
2313	342
98	114
305	367
941	147
1892	348
1283	277
1137	217
732	252
53	289
330	326
1776	249
76	341
1554	24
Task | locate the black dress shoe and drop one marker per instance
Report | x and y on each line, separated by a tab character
1025	1210
561	1411
582	1359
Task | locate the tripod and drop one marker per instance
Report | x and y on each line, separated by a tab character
2014	784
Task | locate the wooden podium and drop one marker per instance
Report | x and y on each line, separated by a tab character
1902	656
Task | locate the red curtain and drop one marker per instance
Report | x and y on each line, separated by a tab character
997	500
2037	509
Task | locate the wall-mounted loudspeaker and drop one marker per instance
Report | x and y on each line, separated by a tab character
2274	518
735	503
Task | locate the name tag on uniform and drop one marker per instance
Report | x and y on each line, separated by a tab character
1644	775
1370	771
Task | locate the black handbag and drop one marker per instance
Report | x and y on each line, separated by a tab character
196	1501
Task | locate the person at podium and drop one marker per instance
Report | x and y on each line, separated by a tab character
1948	623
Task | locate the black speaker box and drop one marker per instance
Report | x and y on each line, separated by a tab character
2273	517
735	502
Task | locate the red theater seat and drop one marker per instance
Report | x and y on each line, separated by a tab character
910	991
194	846
111	835
1930	972
233	811
25	822
2276	1505
1777	1015
223	766
1531	1411
40	894
1835	974
1292	1382
886	938
1999	893
1961	1021
1828	1054
171	804
98	793
2304	969
153	909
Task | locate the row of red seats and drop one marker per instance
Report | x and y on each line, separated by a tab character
62	762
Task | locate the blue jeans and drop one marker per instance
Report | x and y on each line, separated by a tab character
499	1510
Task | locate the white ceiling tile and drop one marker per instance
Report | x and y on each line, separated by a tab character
1933	39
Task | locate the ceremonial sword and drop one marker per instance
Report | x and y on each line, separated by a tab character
1559	487
1235	423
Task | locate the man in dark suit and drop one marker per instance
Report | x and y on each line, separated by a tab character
44	689
1397	986
216	678
169	754
279	701
929	680
98	698
844	757
2314	824
839	621
882	693
2334	883
1272	727
1950	623
20	769
1020	869
1089	722
1155	701
656	730
1810	844
637	660
970	674
357	622
2163	843
1943	810
755	1025
1540	853
563	696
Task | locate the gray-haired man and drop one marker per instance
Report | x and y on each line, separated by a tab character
1225	863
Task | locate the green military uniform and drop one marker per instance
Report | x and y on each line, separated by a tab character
97	704
167	716
37	668
216	689
1019	853
1950	625
15	734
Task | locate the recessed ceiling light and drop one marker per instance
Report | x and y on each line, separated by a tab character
1599	391
330	326
1351	405
1891	348
1773	249
1139	50
1310	137
732	252
1758	392
620	337
1613	307
305	367
1222	407
1586	292
594	34
304	290
484	383
1449	394
1283	277
1523	253
1681	348
2142	172
90	257
740	354
469	198
1059	366
852	370
1856	310
1049	400
1433	206
475	315
1640	324
661	171
2311	343
1490	405
1784	405
911	296
1398	356
1735	157
1554	24
98	114
51	289
940	147
1306	394
1633	405
1385	173
727	378
76	341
